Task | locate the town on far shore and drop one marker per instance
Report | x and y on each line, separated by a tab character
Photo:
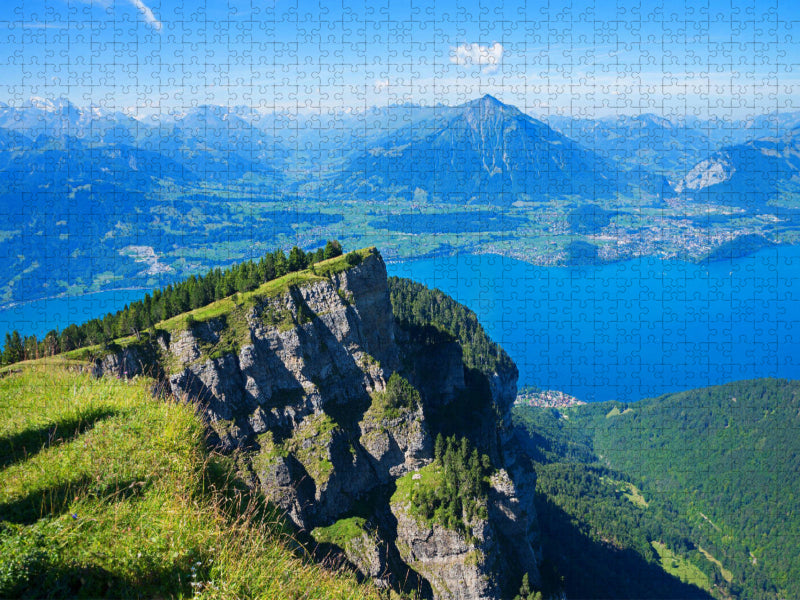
532	396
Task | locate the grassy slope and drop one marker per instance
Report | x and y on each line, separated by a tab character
105	491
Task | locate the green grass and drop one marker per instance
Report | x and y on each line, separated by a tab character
429	477
629	491
333	266
680	567
241	301
341	532
310	444
67	359
398	399
634	495
108	492
726	574
615	412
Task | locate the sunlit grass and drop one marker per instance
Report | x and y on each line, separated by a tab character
680	567
106	491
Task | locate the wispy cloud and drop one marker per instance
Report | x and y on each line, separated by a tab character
147	14
486	57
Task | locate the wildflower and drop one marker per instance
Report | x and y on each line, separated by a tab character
74	515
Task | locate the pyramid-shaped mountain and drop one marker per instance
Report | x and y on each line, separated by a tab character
485	152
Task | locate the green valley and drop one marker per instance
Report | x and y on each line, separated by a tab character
703	482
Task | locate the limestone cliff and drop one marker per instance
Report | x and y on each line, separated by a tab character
330	401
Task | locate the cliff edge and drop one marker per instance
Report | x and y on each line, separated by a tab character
332	387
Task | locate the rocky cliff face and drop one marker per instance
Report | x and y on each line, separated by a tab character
476	566
453	566
300	381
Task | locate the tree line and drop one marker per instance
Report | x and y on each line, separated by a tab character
461	497
415	305
195	292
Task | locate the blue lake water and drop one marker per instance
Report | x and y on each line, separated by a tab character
623	331
40	316
632	329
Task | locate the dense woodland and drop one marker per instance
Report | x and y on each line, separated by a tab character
413	304
715	472
192	293
462	485
729	459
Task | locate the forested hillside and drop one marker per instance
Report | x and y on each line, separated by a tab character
709	475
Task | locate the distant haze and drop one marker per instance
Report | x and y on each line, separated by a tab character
580	58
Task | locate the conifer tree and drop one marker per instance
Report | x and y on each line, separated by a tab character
332	249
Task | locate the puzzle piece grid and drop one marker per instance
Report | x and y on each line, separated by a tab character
296	83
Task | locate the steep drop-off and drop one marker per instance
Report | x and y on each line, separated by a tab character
328	399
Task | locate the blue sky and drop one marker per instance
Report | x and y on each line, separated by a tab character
583	58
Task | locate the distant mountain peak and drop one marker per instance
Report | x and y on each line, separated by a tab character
489	105
51	105
487	101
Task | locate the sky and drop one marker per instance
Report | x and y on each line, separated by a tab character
727	59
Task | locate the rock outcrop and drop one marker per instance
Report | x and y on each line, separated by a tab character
454	567
299	378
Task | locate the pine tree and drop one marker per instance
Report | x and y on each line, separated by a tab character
438	451
281	264
51	343
30	347
13	350
297	259
525	592
332	249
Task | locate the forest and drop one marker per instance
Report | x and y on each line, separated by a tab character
459	496
192	293
415	305
703	483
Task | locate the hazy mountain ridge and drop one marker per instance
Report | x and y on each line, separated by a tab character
90	182
664	146
749	174
490	153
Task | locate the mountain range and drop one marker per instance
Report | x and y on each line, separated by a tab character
99	189
484	152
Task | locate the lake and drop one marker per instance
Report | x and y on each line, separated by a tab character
625	331
632	329
40	316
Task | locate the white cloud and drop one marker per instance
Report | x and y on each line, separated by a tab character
487	57
380	85
147	14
